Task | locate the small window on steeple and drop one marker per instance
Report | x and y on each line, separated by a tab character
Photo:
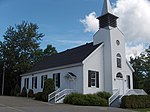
118	60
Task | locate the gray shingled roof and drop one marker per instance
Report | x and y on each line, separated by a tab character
70	56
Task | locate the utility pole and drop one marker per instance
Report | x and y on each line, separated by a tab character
3	83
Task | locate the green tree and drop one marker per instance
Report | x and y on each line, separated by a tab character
138	74
1	67
21	46
49	50
146	65
20	50
141	65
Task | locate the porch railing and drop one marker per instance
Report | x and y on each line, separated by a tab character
114	96
52	95
59	97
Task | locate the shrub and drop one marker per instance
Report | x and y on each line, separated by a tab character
16	90
125	102
94	100
86	100
104	95
12	92
30	93
147	102
69	98
75	99
38	96
136	101
24	92
49	87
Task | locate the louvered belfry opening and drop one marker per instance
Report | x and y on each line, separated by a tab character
107	20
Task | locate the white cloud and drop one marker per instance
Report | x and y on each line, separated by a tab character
134	19
133	51
72	42
90	22
134	22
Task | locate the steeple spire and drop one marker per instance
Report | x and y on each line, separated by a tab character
108	19
106	7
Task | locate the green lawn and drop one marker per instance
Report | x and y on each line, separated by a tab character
143	110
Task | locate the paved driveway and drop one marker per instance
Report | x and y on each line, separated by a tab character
18	104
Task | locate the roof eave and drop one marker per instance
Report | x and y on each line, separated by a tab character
130	66
51	69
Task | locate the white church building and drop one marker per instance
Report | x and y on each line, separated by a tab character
93	67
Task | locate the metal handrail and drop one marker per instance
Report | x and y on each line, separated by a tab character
123	95
52	95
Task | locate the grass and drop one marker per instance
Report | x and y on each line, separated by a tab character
143	110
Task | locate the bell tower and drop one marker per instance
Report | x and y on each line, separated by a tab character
107	19
113	44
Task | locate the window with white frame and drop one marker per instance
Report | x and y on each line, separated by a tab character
26	83
93	79
43	78
118	60
34	82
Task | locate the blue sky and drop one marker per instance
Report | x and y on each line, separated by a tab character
59	20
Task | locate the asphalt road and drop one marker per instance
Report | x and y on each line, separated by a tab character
18	104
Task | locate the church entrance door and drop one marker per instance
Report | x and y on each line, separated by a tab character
120	86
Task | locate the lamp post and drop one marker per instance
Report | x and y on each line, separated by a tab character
3	79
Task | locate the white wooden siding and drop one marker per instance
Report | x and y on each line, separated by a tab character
64	83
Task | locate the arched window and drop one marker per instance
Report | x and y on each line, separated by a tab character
119	75
118	60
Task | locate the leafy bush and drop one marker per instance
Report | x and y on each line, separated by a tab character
69	98
136	101
24	92
15	91
86	100
38	96
147	102
12	92
49	87
104	95
94	100
75	99
30	93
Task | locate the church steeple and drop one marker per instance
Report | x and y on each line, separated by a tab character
108	19
106	7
